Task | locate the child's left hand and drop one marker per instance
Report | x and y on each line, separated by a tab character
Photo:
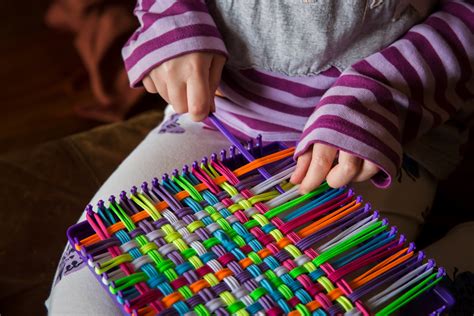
317	164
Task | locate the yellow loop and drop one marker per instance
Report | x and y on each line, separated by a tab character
148	247
195	225
172	237
262	220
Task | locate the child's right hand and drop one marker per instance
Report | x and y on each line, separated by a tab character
188	82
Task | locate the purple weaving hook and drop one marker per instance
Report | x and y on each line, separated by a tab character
217	123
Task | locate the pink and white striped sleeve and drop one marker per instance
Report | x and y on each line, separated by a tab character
399	93
168	29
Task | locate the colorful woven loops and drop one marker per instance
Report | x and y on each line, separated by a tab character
212	240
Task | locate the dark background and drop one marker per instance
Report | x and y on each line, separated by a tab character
52	160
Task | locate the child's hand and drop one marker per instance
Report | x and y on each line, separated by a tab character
188	82
317	164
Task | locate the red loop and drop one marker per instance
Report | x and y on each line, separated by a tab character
225	259
179	282
202	271
294	301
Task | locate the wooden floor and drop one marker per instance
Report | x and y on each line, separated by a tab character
41	78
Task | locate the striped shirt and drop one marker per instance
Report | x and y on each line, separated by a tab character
372	109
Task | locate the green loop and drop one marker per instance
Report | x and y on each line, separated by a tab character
188	253
186	185
211	242
292	203
285	291
201	310
165	265
235	307
296	272
258	293
251	224
254	257
302	309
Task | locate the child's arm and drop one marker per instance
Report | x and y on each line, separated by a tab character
178	52
389	99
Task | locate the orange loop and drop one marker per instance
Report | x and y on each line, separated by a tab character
265	252
328	219
172	298
313	305
244	263
224	273
199	285
260	162
382	267
282	243
334	294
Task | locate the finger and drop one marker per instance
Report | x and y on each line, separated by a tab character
368	170
149	85
321	162
160	85
177	97
198	96
302	166
215	77
345	171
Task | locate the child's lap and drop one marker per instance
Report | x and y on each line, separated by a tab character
176	142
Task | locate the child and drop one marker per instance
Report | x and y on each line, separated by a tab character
359	83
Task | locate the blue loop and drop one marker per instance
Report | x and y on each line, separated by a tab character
184	267
268	228
208	256
254	308
304	296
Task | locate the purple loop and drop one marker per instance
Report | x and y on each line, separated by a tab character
402	239
243	276
441	272
160	222
100	204
368	207
136	232
393	231
175	172
185	169
431	264
123	196
182	212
